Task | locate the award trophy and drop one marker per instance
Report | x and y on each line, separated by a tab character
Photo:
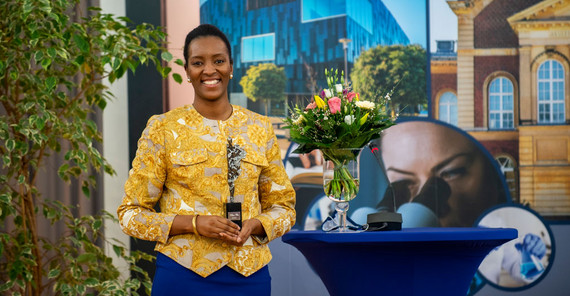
234	154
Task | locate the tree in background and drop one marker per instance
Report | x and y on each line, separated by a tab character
401	68
265	82
53	64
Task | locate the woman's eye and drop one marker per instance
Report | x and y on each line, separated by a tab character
196	63
219	61
451	174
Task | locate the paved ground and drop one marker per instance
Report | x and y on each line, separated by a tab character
282	134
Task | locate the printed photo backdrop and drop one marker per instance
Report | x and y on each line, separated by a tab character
507	123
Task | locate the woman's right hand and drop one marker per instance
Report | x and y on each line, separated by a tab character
217	227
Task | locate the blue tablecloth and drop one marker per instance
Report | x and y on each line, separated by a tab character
411	261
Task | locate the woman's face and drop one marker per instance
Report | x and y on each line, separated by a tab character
209	68
415	151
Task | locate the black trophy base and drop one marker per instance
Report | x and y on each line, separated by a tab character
384	221
233	212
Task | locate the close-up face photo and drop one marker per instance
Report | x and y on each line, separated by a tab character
434	164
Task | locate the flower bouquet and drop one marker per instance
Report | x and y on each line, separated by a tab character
336	121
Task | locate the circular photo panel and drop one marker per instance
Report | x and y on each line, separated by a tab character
439	175
522	262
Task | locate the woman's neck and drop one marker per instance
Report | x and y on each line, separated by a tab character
215	110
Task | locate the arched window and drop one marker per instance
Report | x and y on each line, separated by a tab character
448	108
509	169
501	104
551	92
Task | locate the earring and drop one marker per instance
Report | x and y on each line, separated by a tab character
189	81
231	76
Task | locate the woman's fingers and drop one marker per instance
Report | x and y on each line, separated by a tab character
216	227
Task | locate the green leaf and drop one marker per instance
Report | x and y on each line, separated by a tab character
50	82
53	273
85	189
5	198
166	71
118	250
167	56
116	64
179	62
38	56
97	224
177	78
86	257
7	160
91	282
10	144
81	42
81	289
45	63
51	52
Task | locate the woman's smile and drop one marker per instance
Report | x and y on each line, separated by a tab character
211	82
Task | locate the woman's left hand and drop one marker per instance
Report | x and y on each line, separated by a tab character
249	227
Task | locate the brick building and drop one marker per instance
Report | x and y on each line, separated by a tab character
508	85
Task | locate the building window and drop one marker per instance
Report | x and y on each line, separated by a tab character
313	10
551	92
361	12
258	48
501	104
257	4
509	169
448	108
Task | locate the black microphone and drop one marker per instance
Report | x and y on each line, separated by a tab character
376	152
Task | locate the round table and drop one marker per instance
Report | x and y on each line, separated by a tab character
411	261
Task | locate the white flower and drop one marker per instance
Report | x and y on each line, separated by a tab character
299	119
387	97
328	93
338	88
349	119
365	104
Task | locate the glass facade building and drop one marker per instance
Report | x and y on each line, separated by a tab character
300	35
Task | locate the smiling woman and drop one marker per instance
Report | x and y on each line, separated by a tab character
436	166
214	222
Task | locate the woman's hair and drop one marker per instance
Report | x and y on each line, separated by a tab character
203	31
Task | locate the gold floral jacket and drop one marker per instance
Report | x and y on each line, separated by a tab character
181	165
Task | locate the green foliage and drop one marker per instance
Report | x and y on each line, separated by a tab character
52	72
264	82
395	65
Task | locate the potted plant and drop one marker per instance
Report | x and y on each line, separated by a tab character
53	67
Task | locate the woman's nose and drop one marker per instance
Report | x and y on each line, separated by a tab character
434	193
209	68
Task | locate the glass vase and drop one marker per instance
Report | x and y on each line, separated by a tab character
341	180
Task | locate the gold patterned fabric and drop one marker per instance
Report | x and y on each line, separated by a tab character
181	165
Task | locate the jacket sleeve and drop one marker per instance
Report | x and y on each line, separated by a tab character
143	188
276	194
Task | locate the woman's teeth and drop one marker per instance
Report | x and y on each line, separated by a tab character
211	82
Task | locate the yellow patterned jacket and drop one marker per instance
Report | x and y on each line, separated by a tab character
181	165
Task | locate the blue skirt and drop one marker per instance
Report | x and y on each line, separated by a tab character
172	278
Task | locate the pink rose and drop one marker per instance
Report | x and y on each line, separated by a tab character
312	105
334	104
350	96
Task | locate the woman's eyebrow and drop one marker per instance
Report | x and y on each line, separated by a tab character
215	55
443	163
400	171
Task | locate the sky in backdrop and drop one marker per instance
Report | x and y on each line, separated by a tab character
411	15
